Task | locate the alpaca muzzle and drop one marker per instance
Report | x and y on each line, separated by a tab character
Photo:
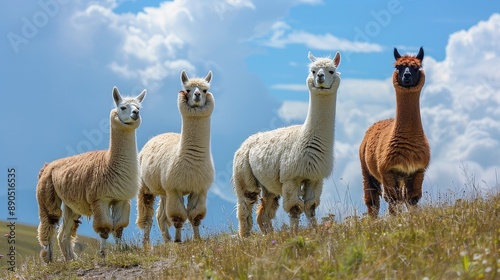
135	115
197	96
321	78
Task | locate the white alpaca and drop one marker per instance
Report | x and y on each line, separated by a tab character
175	165
290	161
96	183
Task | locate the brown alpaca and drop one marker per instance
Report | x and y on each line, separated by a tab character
96	183
395	152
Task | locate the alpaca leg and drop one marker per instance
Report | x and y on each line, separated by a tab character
120	214
266	211
196	209
176	212
102	223
145	210
292	204
244	212
162	219
371	192
67	232
414	191
46	236
49	209
391	191
247	193
311	197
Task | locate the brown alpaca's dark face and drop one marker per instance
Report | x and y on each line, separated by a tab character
408	68
408	76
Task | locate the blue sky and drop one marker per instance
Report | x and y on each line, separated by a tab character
60	60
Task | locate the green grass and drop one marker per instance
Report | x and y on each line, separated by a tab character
442	240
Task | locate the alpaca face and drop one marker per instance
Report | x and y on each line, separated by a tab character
408	68
128	108
196	89
323	71
408	76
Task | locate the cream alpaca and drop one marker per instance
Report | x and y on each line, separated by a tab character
97	183
395	152
290	161
174	165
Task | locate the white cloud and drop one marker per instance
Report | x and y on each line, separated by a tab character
241	4
293	111
290	87
281	36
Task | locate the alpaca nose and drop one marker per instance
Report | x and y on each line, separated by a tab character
407	73
321	77
197	96
135	114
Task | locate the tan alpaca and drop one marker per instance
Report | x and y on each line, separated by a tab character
290	161
395	153
175	165
96	183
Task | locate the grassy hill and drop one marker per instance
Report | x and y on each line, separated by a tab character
443	240
26	243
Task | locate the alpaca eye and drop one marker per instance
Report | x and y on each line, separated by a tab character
204	91
188	90
331	72
314	72
123	108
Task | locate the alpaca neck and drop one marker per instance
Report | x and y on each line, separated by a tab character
408	107
122	148
408	113
320	116
195	135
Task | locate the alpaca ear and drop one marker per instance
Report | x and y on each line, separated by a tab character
141	96
116	96
184	77
312	58
208	78
396	54
336	59
420	55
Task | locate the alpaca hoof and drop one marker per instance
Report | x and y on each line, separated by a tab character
103	233
102	253
45	256
295	211
119	233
